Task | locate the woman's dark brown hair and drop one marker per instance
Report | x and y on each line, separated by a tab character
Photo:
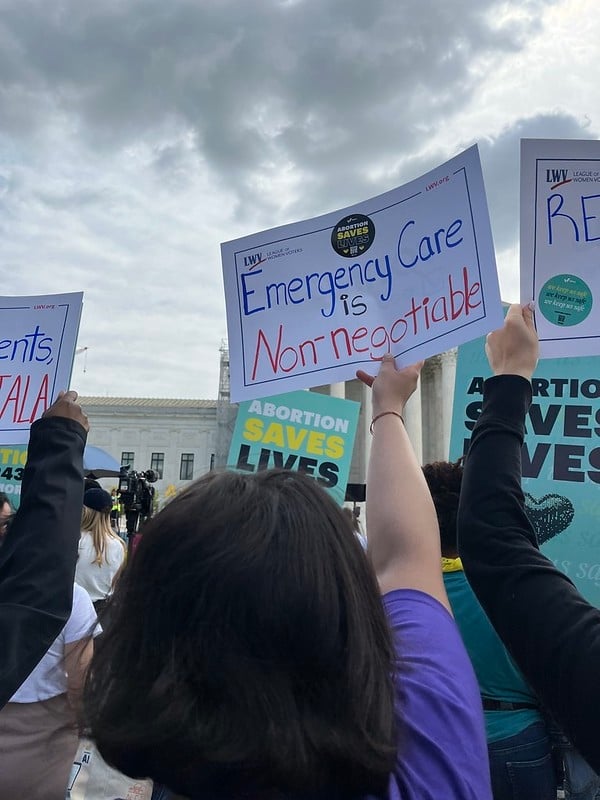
444	479
248	648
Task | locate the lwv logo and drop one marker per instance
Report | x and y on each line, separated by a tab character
556	175
253	260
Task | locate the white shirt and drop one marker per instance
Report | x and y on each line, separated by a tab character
49	678
97	579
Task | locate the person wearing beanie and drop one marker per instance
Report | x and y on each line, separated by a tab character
101	551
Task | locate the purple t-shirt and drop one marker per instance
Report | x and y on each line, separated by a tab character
442	751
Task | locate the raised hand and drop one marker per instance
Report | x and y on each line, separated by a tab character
514	348
66	405
392	387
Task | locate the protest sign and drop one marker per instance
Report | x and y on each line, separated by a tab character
561	456
302	431
12	464
410	272
560	243
37	347
13	460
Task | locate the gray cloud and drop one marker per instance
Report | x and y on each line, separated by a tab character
331	87
500	164
499	153
135	135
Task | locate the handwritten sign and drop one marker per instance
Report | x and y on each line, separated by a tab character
302	431
560	456
410	272
560	243
37	346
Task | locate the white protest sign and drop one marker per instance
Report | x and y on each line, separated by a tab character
37	347
560	243
410	272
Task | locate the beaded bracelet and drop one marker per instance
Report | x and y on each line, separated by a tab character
383	414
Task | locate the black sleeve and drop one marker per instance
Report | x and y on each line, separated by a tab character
37	559
550	630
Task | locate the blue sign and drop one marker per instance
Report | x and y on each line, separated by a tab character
302	431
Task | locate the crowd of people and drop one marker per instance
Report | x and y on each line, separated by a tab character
253	649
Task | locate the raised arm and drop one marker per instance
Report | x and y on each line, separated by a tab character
551	631
403	536
37	559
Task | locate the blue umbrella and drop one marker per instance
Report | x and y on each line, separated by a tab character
97	463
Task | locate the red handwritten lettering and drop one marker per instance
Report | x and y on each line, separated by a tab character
25	399
459	300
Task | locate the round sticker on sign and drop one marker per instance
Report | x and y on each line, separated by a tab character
353	235
565	300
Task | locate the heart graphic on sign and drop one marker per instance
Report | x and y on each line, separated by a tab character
550	515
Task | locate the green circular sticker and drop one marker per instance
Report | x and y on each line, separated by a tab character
565	300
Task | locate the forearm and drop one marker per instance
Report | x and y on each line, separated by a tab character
535	608
403	535
495	535
48	521
37	560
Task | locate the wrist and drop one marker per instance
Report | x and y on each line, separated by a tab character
521	373
507	397
385	414
392	405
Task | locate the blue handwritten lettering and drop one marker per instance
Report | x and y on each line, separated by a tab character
315	285
586	217
554	212
34	346
247	292
429	245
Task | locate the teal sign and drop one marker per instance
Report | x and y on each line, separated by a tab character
565	300
302	431
12	465
561	456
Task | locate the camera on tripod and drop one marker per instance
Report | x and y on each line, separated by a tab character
136	496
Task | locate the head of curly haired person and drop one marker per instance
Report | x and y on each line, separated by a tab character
444	479
248	650
6	514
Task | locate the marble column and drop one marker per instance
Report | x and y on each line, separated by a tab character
448	381
413	421
432	410
437	387
337	390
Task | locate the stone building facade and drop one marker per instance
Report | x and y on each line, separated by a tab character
174	437
183	439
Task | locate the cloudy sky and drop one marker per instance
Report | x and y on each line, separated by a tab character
136	135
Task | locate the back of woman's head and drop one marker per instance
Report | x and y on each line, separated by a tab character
444	479
97	524
248	645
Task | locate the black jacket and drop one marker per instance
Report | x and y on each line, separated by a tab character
550	630
37	559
